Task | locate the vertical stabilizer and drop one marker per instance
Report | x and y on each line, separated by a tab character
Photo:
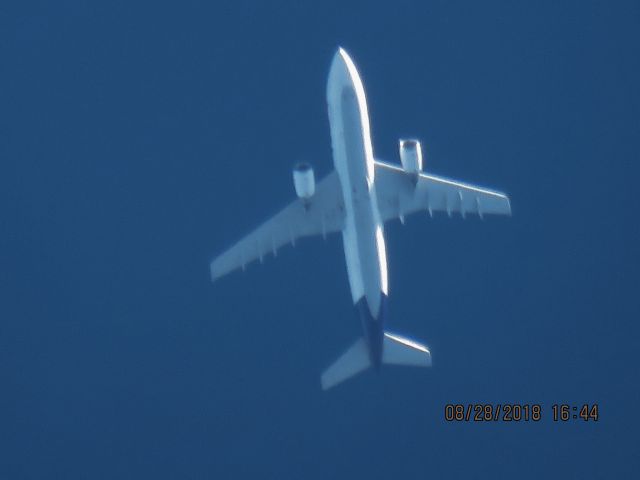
352	362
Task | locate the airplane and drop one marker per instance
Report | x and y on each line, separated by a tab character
356	199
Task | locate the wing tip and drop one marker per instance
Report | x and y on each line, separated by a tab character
508	200
214	271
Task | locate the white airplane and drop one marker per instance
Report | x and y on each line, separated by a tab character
356	199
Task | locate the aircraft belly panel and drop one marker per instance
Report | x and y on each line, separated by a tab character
363	243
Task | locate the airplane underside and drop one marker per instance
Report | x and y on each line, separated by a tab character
356	199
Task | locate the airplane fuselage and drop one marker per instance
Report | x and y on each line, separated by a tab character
363	233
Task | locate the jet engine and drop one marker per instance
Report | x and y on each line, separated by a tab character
411	156
304	181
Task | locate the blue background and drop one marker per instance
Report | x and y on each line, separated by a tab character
137	140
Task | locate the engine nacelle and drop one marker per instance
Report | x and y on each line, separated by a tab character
304	181
411	156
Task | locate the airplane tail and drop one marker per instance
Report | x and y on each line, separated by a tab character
396	350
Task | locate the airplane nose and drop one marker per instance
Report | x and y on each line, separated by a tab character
338	59
341	57
339	73
343	75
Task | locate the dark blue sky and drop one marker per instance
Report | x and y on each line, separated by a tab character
139	139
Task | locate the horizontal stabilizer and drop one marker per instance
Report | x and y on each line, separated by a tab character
397	350
352	362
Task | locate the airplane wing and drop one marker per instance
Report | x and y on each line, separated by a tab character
322	214
399	193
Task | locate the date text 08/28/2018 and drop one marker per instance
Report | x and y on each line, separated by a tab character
515	412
